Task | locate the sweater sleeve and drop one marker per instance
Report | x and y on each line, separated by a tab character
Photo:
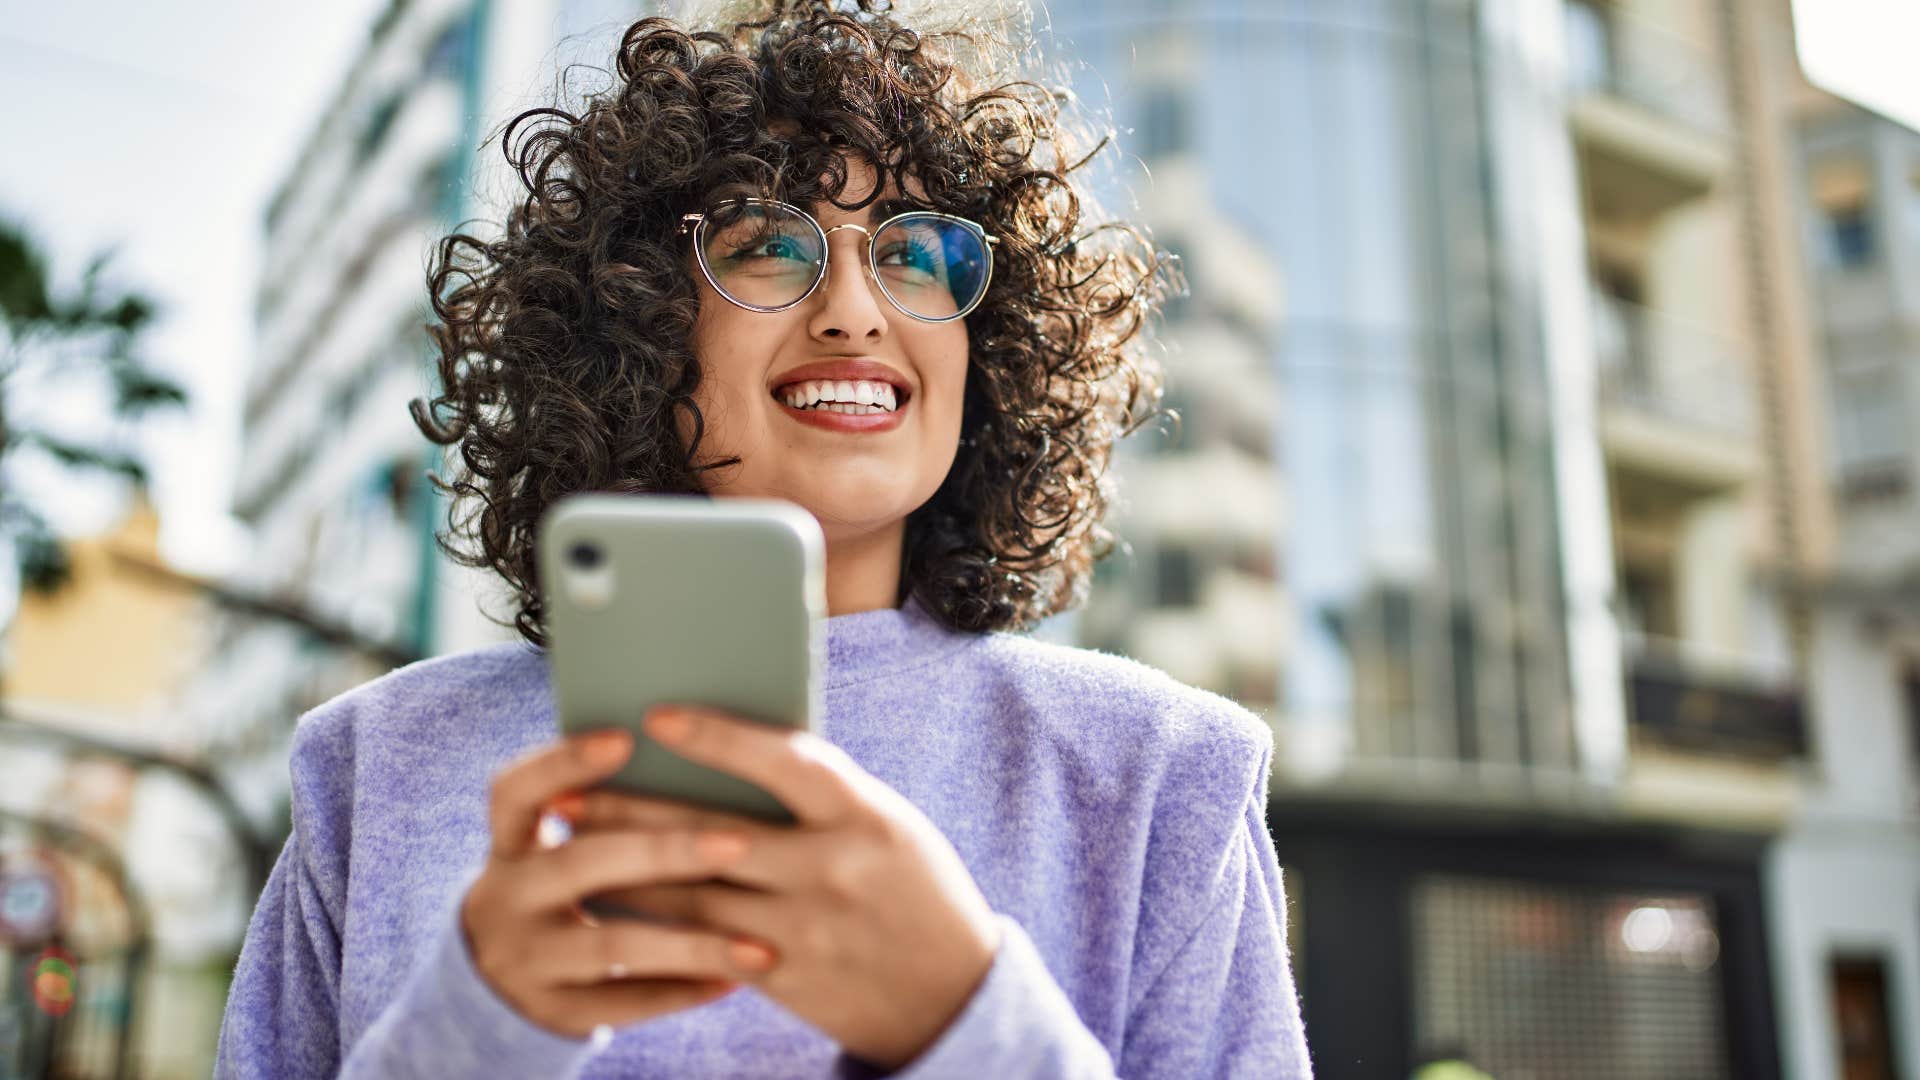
449	1023
280	1009
283	1011
1223	1005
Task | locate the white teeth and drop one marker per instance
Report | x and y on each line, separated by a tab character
850	396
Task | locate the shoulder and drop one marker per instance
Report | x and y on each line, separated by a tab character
441	703
1115	705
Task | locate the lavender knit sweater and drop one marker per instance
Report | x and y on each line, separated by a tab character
1114	818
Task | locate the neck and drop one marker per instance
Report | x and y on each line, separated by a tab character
863	571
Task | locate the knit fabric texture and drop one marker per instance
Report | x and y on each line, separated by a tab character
1113	817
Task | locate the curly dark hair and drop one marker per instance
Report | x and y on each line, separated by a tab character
564	344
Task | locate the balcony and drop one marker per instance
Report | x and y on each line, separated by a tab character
1680	698
1676	400
1648	111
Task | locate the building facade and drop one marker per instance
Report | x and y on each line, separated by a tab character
1510	291
1846	876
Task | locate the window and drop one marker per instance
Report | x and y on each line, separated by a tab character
1646	595
447	57
1589	46
1176	577
1860	1023
1163	122
1525	978
1870	440
1910	694
1849	236
378	121
1842	191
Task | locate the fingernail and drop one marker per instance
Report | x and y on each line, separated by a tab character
572	806
751	956
722	847
609	747
669	725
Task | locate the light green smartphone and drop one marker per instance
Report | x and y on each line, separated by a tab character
656	599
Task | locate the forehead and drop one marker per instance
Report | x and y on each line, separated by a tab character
861	180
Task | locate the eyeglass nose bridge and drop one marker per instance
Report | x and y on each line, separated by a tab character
866	264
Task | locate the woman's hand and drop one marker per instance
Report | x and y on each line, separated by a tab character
879	932
521	916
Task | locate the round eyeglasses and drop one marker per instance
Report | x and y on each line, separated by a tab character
766	255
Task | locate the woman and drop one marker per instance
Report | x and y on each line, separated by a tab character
822	257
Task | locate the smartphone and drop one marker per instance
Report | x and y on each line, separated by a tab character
656	599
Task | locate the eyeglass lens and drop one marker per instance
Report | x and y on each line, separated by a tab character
768	256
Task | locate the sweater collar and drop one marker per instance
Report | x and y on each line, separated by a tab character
866	644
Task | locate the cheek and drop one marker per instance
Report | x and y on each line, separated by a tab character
725	351
941	356
947	379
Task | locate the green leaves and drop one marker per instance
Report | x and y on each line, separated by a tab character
23	280
92	332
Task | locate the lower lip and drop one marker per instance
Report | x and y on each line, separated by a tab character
857	423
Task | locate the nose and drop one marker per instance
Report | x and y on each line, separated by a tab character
848	311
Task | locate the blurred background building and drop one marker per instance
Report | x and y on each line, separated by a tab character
1846	873
1540	547
1545	479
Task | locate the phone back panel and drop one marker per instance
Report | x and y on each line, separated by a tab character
717	602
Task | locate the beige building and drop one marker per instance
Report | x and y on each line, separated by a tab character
89	699
113	643
1544	491
1708	416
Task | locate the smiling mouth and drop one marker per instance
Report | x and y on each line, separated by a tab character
857	397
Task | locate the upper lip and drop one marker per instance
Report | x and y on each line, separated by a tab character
845	369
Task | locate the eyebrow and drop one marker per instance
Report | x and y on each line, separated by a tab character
883	209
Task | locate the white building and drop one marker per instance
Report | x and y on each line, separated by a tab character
1846	877
1528	451
332	479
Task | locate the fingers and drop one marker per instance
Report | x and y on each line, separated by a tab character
809	775
616	1004
710	905
603	809
522	790
579	955
572	978
603	861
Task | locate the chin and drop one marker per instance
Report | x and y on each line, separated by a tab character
842	515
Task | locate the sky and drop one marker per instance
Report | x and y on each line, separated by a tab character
191	110
194	108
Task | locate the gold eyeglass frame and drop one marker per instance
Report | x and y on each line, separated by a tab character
697	224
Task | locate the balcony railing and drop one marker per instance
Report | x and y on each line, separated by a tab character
1678	701
1658	71
1671	368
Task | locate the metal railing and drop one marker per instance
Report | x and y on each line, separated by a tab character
1707	702
1678	370
1648	66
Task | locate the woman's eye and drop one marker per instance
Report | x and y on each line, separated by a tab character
912	256
773	247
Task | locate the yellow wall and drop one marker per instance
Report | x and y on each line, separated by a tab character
113	639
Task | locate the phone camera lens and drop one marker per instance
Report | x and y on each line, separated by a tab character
584	556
